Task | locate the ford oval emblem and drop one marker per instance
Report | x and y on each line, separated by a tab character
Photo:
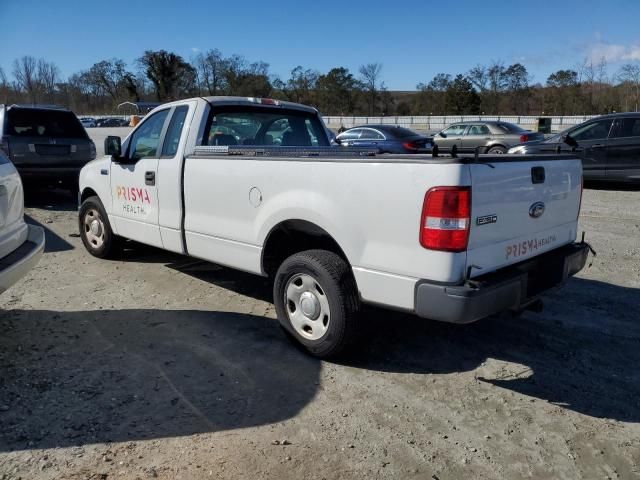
536	210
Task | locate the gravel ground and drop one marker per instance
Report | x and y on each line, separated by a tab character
159	366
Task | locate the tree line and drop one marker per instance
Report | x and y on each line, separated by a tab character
496	88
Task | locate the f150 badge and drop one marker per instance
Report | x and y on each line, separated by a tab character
486	219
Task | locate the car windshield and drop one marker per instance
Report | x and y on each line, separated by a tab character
31	122
260	126
510	128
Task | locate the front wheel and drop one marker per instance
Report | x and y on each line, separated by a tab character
95	229
317	302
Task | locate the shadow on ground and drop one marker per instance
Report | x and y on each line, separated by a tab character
49	198
583	350
53	241
70	378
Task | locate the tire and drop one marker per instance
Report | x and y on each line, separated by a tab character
454	151
98	238
497	150
317	302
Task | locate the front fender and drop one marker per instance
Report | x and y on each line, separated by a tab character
96	175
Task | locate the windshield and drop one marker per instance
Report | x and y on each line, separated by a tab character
264	126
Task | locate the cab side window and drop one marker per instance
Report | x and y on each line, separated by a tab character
368	134
455	130
144	142
353	134
592	131
174	131
626	127
478	130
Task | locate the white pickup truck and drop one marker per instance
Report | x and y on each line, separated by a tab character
253	184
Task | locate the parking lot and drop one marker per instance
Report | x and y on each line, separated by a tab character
161	366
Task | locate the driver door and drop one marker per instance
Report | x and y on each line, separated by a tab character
592	141
452	139
133	182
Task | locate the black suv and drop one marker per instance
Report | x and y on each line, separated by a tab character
609	146
47	144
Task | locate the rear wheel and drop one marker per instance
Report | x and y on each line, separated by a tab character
95	230
317	302
454	151
497	150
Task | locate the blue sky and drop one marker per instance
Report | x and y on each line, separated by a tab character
413	40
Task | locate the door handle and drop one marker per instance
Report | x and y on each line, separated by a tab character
150	178
597	145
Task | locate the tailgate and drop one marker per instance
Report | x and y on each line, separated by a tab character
521	209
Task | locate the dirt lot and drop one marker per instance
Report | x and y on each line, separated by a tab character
159	366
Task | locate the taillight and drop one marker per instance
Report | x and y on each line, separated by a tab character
4	146
446	215
410	146
524	138
92	150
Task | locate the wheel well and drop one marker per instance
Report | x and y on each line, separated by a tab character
86	193
496	145
294	236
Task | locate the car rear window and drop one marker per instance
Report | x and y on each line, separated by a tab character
31	122
510	127
400	132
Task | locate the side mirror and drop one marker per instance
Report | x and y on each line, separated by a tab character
337	141
113	146
442	134
569	140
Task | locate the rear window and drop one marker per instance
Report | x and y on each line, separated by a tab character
400	132
510	128
31	122
264	126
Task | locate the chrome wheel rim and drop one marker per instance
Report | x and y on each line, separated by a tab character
94	228
307	306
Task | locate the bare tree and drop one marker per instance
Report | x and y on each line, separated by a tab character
47	76
210	67
370	77
25	71
629	76
479	77
4	87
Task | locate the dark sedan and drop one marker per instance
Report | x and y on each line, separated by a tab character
609	146
386	138
112	122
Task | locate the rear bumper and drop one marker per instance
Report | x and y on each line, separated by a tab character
511	288
16	265
49	173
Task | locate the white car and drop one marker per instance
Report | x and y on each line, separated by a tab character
450	239
21	245
88	122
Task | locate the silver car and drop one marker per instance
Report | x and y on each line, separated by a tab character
492	137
